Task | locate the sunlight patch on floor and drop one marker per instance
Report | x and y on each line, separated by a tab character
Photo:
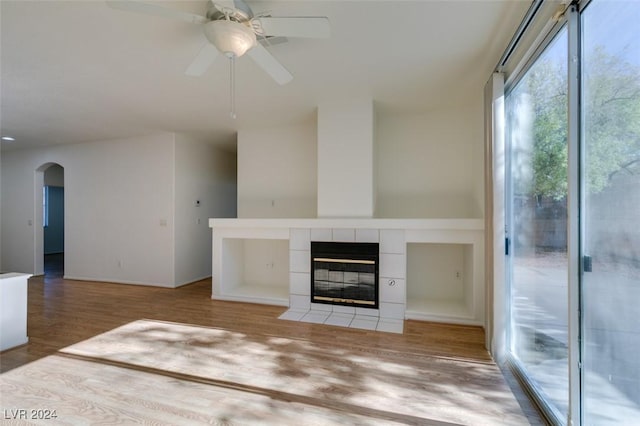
298	370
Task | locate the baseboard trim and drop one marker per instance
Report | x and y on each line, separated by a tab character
113	281
193	281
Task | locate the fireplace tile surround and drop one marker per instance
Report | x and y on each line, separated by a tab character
390	314
289	284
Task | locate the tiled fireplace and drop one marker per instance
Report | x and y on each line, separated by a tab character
428	269
365	281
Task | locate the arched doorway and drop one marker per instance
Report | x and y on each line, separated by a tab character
50	221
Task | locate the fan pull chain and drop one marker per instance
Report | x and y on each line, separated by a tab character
232	85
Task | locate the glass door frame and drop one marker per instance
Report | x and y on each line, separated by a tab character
575	202
575	226
519	369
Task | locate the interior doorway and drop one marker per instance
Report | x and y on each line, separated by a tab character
50	223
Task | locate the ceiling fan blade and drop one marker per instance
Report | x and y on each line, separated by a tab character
233	5
270	64
272	41
203	61
155	10
310	27
241	5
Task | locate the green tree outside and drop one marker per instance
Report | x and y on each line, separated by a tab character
611	112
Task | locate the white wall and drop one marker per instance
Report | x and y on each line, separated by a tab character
129	206
120	212
18	209
277	171
478	124
118	204
346	166
207	174
424	165
430	164
1	268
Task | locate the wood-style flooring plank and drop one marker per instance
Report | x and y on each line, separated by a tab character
64	312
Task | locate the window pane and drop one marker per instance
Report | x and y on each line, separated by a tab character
611	146
537	131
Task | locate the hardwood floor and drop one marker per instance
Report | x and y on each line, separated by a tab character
64	312
54	265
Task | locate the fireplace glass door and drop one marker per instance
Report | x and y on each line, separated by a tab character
345	274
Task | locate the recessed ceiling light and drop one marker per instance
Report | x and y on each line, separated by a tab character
8	138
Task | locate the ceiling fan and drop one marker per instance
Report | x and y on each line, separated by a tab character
233	29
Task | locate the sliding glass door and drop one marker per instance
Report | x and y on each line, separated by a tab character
573	217
536	112
611	212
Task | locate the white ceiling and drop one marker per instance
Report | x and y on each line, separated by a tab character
77	71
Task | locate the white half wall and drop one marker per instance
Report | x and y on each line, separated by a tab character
346	168
277	172
205	187
430	165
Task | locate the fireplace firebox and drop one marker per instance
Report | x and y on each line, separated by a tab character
345	273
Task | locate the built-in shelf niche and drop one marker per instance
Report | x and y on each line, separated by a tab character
440	281
255	270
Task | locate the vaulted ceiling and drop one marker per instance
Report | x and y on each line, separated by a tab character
77	71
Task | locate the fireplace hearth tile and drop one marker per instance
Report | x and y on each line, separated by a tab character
321	307
316	317
387	325
321	234
341	320
340	309
392	310
347	235
299	239
367	235
364	323
392	241
292	315
300	261
390	326
366	312
299	302
393	265
299	283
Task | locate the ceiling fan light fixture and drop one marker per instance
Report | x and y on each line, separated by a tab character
231	38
